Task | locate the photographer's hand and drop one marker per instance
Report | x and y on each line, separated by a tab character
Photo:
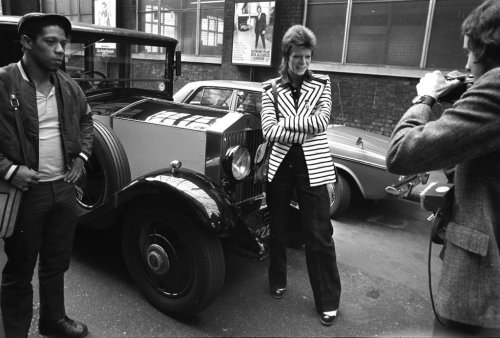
435	84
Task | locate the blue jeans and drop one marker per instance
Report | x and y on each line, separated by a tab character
45	227
316	226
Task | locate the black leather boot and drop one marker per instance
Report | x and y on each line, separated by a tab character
65	328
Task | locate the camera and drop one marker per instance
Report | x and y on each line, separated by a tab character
466	80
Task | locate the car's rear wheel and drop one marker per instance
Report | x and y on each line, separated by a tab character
178	266
340	196
106	172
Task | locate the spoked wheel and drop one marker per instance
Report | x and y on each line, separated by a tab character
106	172
340	196
178	266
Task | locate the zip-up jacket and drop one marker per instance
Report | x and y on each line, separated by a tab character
74	113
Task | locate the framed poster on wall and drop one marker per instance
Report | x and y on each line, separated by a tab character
105	15
253	32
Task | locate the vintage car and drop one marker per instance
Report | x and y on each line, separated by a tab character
359	155
174	180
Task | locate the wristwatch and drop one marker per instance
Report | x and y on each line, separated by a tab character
425	99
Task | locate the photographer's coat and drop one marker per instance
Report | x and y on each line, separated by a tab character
466	136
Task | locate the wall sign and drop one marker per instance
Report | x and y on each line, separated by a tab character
253	32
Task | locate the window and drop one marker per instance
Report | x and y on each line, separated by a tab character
213	97
445	47
401	33
327	21
387	33
75	10
249	102
197	24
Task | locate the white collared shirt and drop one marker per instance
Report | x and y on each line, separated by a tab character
50	147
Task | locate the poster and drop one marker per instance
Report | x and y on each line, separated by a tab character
253	32
105	15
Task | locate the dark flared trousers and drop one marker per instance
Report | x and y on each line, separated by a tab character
316	226
263	37
45	227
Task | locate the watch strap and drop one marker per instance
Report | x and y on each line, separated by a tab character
425	99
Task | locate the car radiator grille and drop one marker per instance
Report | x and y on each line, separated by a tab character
243	190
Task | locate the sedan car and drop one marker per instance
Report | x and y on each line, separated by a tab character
359	155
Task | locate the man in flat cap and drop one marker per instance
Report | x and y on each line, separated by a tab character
43	155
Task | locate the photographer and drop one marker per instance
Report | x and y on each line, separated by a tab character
466	136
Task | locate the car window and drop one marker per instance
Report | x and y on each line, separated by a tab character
250	102
212	97
108	58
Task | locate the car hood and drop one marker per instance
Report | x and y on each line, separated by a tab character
371	147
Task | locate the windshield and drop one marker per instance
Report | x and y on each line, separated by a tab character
102	64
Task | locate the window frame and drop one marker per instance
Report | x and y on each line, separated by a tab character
215	59
80	14
386	70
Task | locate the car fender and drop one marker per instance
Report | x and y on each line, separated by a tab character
193	192
189	190
349	174
365	183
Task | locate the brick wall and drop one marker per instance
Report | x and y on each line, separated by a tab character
197	72
373	103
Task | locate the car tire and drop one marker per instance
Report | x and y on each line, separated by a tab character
106	172
178	266
340	196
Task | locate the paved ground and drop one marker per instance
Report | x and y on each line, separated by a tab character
382	255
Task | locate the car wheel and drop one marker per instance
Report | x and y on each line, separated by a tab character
340	196
177	266
106	172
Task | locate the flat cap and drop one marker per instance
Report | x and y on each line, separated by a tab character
43	18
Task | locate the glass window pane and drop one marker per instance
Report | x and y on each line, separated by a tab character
327	21
216	98
147	3
179	4
211	23
445	47
250	102
187	33
387	33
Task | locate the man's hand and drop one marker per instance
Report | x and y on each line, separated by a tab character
435	84
263	32
75	172
25	178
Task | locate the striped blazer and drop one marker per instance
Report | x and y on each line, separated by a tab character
305	124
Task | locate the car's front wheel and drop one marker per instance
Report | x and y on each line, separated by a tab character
178	266
340	196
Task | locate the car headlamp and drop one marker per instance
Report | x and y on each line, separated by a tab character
237	162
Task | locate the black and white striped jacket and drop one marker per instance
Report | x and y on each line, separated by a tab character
305	124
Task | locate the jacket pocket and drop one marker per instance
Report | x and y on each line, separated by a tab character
471	240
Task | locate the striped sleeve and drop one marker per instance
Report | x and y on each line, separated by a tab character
270	128
318	120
